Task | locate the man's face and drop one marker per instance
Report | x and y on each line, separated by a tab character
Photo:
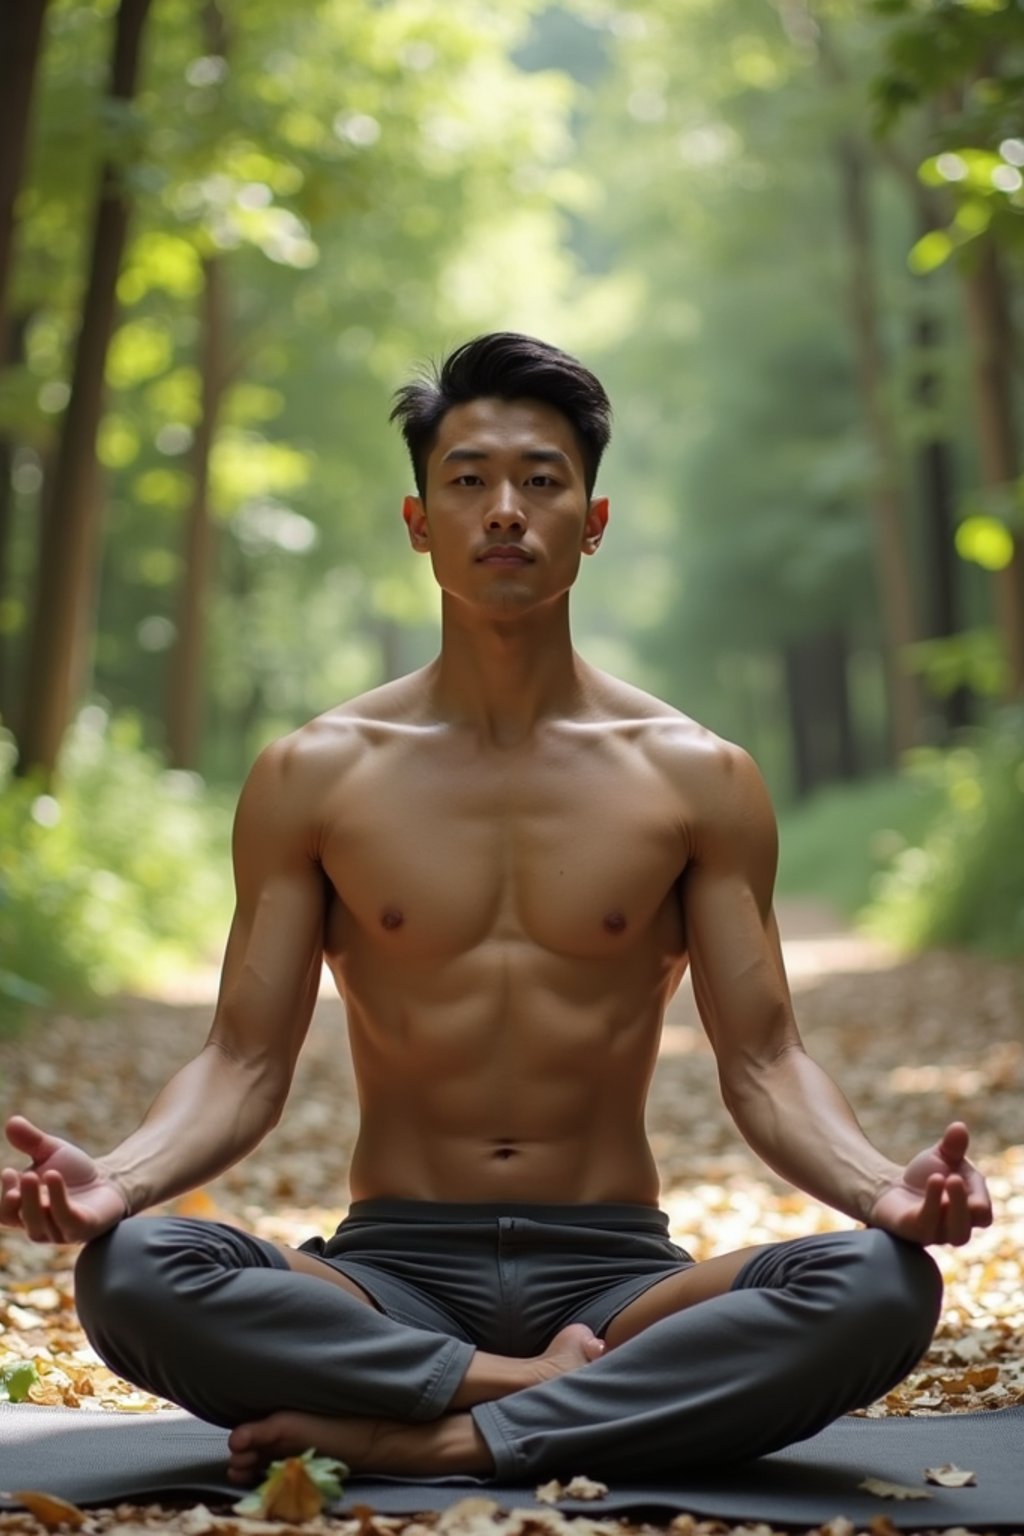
505	517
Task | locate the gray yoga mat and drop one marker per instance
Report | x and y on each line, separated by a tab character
104	1458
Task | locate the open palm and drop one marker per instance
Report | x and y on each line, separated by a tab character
63	1196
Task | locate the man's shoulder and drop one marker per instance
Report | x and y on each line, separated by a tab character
665	730
327	745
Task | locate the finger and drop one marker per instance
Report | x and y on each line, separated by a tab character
28	1139
957	1220
979	1201
954	1143
928	1223
10	1198
62	1216
35	1215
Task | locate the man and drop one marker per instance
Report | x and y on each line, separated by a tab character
508	859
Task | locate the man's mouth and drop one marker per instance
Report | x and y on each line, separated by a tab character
505	554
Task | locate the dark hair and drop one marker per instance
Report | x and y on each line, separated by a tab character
510	367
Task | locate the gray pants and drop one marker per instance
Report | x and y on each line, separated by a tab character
212	1318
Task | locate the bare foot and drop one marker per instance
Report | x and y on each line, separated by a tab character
574	1346
451	1444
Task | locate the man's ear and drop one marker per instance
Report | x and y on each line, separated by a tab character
593	528
416	522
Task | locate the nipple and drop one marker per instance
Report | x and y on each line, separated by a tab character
615	922
391	918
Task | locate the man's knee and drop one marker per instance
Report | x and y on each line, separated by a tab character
116	1275
906	1289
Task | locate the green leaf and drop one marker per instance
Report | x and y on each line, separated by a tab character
15	1380
930	252
986	541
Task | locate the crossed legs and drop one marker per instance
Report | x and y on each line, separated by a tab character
727	1360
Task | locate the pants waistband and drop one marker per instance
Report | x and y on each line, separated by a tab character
645	1218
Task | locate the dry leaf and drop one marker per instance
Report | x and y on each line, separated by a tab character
974	1380
881	1525
197	1203
49	1510
582	1487
467	1515
548	1493
950	1476
840	1526
885	1490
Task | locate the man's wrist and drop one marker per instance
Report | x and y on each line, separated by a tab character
881	1183
120	1183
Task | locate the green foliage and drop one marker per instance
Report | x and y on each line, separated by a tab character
836	845
963	881
15	1379
120	879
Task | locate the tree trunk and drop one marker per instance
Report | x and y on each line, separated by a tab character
185	700
892	563
988	318
21	31
822	742
15	354
68	550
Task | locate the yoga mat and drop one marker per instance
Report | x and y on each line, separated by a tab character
104	1458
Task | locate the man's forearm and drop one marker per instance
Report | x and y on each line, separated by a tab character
793	1116
208	1116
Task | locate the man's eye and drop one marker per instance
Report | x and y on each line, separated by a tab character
467	480
542	480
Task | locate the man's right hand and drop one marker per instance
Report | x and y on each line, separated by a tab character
63	1196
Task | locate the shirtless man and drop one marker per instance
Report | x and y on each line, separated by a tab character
508	858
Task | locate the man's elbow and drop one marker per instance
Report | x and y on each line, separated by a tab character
751	1080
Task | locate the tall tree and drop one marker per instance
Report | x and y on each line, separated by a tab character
21	31
68	547
185	687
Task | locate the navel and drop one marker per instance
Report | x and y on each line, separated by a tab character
615	922
391	917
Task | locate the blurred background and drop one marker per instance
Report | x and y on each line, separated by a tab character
787	235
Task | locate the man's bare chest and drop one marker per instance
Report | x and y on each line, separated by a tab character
436	857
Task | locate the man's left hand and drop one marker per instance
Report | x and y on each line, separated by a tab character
940	1198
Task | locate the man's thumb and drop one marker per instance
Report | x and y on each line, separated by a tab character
28	1138
953	1145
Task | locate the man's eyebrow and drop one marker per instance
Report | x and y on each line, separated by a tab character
532	455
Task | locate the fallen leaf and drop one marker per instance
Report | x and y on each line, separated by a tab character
296	1488
581	1487
881	1525
974	1380
950	1476
49	1510
885	1490
578	1487
467	1515
16	1380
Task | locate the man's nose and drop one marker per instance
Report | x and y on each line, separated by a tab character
505	511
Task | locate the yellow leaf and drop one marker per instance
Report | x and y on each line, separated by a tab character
950	1476
49	1510
884	1490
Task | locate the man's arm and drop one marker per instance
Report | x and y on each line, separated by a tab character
785	1105
223	1102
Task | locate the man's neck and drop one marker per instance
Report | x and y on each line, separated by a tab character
503	677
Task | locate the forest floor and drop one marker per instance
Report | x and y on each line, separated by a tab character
913	1042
